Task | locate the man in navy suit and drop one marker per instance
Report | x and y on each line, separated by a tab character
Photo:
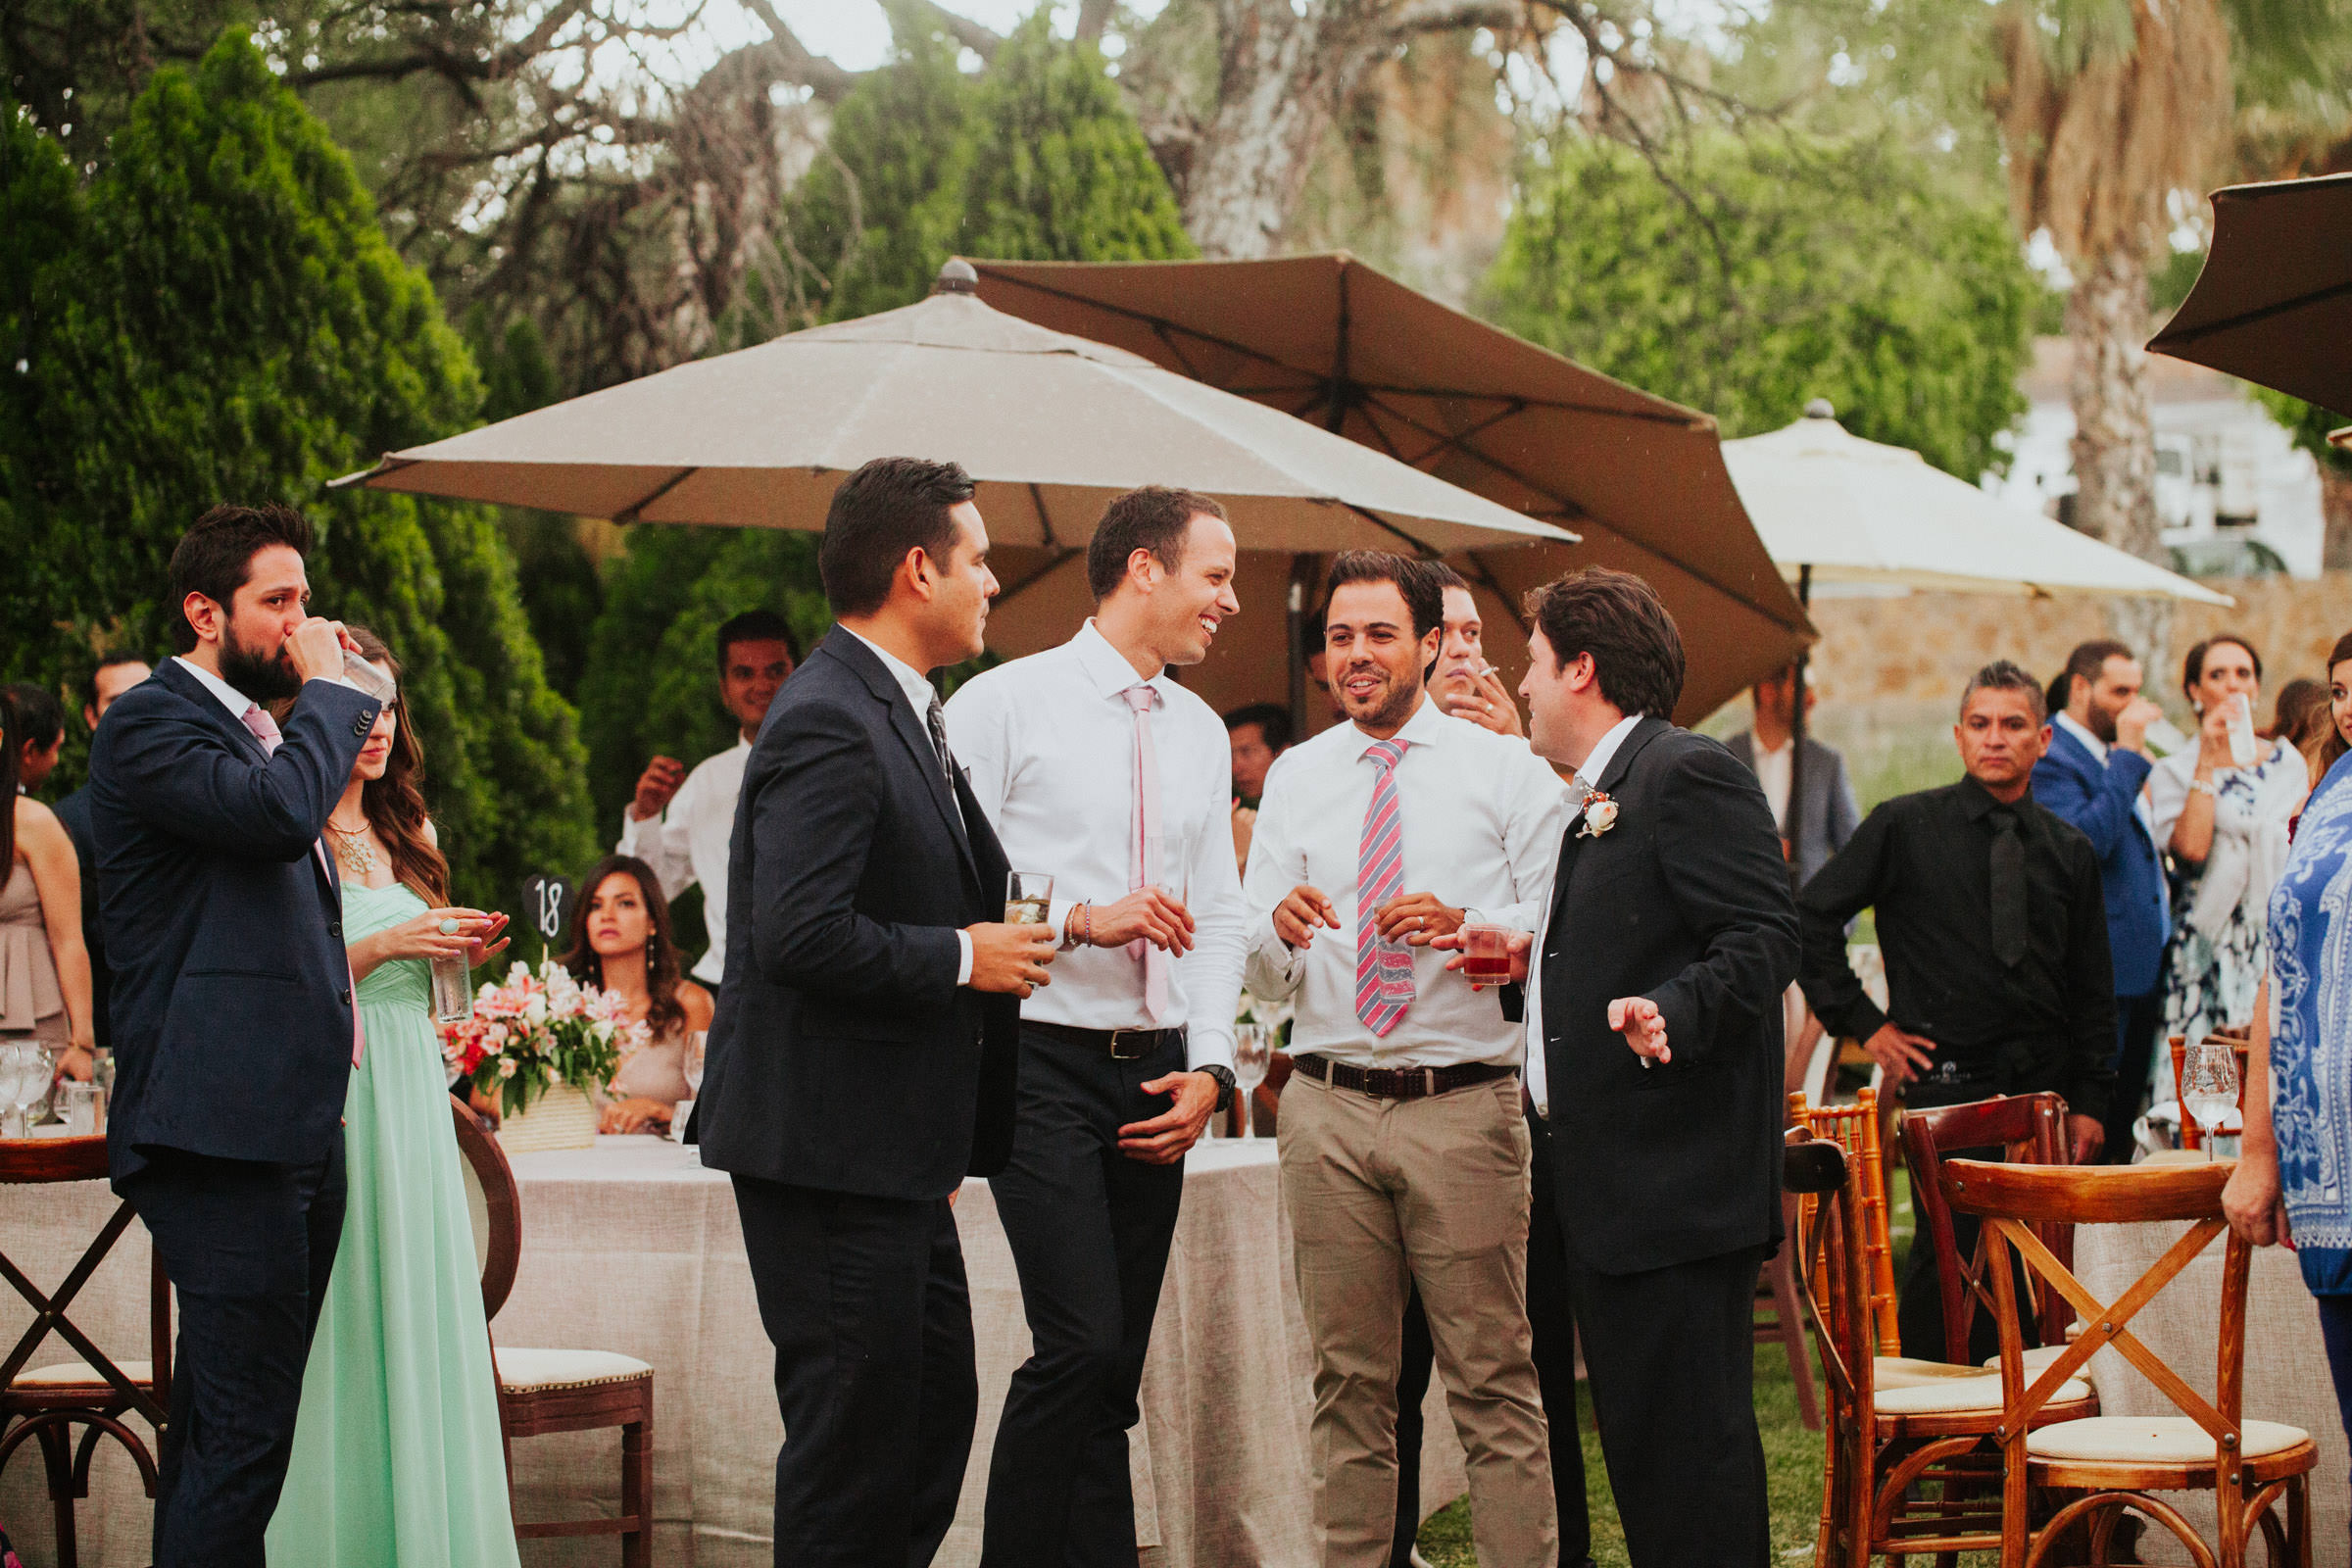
865	1053
231	1009
2091	776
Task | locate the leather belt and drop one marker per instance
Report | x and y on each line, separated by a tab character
1120	1045
1398	1083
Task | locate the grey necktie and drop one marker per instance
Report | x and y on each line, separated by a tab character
937	718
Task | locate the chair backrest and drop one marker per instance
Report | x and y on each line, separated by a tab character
2241	1043
493	1204
2013	1198
39	1160
1833	1277
52	1159
1854	1128
2031	1128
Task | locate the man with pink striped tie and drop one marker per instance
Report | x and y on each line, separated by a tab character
1404	1161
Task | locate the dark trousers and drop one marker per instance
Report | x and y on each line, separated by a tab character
2335	1332
864	1299
1550	1314
2138	1020
1090	1230
248	1248
1919	1300
1670	1359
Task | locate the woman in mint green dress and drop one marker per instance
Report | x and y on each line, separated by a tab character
397	1456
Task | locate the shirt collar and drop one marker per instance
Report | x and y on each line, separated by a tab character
912	681
2091	742
1426	728
235	700
1107	666
1756	745
1977	801
1597	765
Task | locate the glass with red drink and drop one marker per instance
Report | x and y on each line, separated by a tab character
1487	955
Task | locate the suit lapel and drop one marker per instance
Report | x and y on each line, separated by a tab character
211	710
910	729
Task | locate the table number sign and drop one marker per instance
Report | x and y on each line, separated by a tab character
547	908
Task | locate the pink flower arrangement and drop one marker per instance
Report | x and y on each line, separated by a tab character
533	1031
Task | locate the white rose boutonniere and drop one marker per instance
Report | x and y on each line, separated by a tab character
1599	815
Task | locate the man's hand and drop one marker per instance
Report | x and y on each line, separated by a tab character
1416	918
1300	913
655	786
1010	959
1485	703
2131	724
1902	1055
1517	945
2085	1136
1150	914
1644	1028
315	650
1163	1139
2250	1200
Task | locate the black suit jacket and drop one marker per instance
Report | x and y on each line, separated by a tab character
232	1004
844	1055
1683	901
75	812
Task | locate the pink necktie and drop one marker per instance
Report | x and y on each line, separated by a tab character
265	730
1384	971
1142	844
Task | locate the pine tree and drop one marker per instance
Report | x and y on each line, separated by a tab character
234	326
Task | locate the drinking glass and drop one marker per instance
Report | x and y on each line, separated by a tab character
1253	1055
697	1042
1028	897
24	1070
1173	854
82	1109
1487	955
453	989
2209	1086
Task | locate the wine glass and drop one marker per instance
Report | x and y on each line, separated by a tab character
696	1043
1253	1055
24	1082
2209	1086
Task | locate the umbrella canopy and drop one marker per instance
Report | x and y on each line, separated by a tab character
1050	425
1340	345
1855	510
2274	302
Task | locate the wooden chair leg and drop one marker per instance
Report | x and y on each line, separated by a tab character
57	1461
1780	1272
636	1493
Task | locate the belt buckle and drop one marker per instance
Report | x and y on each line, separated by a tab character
1140	1050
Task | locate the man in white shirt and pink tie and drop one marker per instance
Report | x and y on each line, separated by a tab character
1404	1158
1098	769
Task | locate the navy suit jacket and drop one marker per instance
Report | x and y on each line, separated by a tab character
2071	784
74	811
232	1006
844	1055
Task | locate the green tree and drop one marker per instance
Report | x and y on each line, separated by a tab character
1779	270
233	325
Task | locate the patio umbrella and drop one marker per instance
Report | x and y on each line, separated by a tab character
1337	343
2274	302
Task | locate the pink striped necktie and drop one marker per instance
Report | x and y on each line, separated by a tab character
265	729
1141	843
1384	971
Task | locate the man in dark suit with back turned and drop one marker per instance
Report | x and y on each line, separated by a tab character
863	1056
232	1010
1654	1058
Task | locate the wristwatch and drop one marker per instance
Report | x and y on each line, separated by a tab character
1225	1082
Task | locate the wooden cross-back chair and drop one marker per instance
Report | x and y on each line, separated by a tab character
2027	1128
1854	1128
1911	1467
2251	1467
556	1391
94	1392
2241	1045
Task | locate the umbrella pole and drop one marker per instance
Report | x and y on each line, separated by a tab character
1301	565
1796	731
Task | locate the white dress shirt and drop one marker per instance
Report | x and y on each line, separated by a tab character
687	844
1588	775
1481	826
1772	771
1049	744
920	695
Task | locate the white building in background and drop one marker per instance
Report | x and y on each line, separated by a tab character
2235	495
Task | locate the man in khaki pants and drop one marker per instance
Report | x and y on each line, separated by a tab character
1404	1161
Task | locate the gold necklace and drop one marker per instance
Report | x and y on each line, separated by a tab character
353	850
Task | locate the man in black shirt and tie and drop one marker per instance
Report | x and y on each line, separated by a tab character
1995	932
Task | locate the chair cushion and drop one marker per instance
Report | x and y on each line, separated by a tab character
2151	1439
533	1371
1950	1395
2036	1361
74	1374
1904	1372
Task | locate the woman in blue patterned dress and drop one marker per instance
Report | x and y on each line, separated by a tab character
2294	1169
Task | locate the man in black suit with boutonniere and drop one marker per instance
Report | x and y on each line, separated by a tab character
1653	1018
863	1059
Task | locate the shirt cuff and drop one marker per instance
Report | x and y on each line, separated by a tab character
634	829
964	958
1208	1045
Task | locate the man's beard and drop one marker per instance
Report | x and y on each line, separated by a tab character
263	678
2102	722
1393	711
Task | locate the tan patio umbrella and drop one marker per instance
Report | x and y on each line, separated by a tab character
1339	344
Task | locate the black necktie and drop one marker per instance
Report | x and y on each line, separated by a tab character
937	718
2008	889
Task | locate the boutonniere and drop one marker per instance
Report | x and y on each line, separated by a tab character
1599	816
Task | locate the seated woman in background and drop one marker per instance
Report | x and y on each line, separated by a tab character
620	942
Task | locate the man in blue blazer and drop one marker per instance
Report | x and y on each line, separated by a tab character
231	1009
2093	776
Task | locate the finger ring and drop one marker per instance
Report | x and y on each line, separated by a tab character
449	925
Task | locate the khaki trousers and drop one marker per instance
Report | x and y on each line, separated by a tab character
1436	1188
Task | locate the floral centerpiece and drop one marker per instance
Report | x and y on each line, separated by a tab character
535	1043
